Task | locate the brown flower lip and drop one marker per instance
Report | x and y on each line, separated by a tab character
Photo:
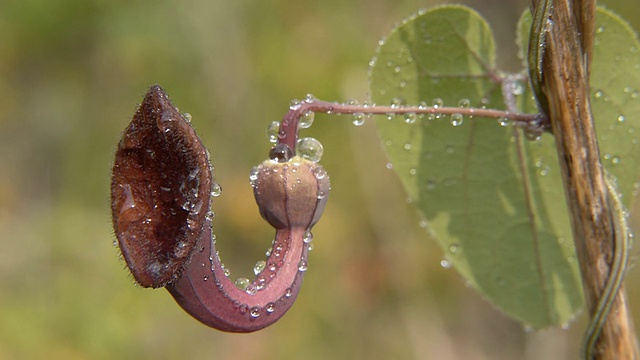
159	191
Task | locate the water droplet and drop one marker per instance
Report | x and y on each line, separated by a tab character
242	283
517	88
464	103
310	149
310	247
407	146
457	119
389	166
503	121
253	176
272	131
445	263
598	94
615	160
600	30
621	118
295	104
410	118
308	237
319	173
187	116
255	312
251	289
216	189
288	293
306	119
302	265
396	103
413	171
454	248
271	307
259	266
309	98
358	119
437	103
226	271
205	278
533	135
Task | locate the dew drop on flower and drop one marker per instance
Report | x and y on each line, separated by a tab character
255	312
259	266
302	265
271	307
310	149
308	237
216	189
242	283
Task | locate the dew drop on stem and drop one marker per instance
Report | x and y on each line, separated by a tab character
358	119
272	131
294	104
410	118
306	119
457	119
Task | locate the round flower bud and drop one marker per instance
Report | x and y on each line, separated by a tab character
291	194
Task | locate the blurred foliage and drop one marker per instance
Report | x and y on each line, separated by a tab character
72	73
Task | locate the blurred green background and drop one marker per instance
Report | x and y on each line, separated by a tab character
71	75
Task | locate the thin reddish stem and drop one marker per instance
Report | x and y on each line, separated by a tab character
288	132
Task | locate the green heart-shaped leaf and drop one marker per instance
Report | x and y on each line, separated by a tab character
492	199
